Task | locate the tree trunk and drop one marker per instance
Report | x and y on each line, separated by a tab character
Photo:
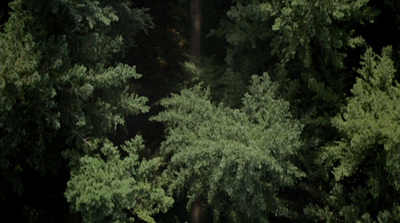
197	212
195	37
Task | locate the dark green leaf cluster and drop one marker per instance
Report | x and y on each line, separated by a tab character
302	43
57	88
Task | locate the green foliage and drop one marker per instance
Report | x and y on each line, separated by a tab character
366	160
302	43
234	147
57	88
238	160
96	30
308	47
110	184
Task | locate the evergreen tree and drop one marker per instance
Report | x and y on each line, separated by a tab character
366	160
236	160
61	87
310	48
111	184
303	44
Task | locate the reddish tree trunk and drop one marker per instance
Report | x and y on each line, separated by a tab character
195	37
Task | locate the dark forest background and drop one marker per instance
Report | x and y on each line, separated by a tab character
200	111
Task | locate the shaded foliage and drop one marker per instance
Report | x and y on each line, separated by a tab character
59	84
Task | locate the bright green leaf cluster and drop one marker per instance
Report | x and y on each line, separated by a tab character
367	158
112	184
237	160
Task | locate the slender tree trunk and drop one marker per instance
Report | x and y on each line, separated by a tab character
195	37
197	212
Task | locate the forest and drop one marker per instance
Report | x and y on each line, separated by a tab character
200	111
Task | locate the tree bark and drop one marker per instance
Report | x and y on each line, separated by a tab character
197	212
195	37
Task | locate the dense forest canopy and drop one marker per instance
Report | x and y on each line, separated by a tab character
200	111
